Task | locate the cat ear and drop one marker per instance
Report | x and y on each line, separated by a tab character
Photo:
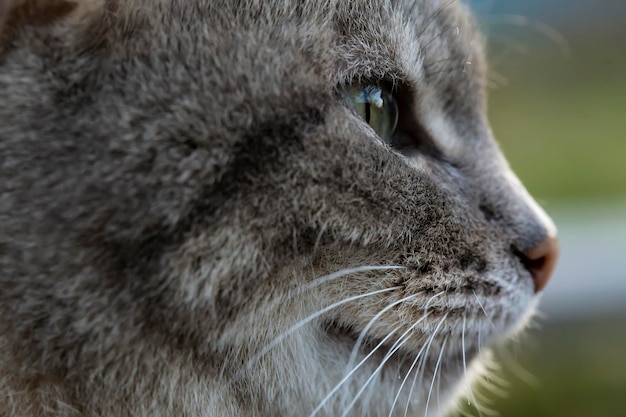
17	14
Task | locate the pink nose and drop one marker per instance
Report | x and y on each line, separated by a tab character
541	260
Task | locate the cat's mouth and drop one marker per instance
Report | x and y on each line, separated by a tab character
388	351
334	329
348	335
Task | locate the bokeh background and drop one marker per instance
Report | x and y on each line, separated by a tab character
558	108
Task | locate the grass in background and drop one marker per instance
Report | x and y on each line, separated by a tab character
580	371
561	121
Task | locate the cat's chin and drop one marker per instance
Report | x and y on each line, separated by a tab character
447	366
472	332
384	349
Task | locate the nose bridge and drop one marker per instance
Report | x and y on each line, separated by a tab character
530	222
509	206
515	216
531	231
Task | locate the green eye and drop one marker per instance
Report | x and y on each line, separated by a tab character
377	106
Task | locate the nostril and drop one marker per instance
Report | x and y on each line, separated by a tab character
540	261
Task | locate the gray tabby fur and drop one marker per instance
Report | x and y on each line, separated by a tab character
174	173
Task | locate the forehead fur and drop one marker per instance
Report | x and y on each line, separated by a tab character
17	14
400	30
370	38
424	44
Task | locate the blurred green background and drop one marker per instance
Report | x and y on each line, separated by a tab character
558	108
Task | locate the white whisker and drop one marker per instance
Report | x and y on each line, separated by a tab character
369	325
395	347
483	309
419	354
439	379
328	278
470	393
341	273
434	16
309	319
431	299
548	31
423	364
430	391
395	400
345	378
318	240
480	351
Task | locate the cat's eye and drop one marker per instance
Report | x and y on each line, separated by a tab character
376	105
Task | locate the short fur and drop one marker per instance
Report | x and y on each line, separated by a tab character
176	174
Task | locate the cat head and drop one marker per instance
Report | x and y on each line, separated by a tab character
209	175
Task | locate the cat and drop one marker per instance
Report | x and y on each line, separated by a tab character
253	208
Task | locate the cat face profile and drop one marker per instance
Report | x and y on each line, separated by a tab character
262	208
